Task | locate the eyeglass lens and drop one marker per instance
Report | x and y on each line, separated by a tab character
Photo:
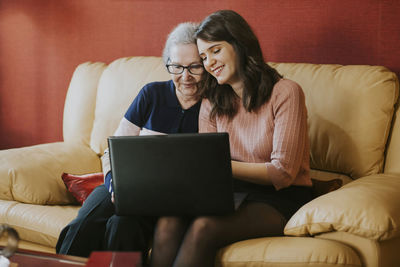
178	69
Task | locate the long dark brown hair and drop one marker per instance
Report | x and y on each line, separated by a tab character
258	77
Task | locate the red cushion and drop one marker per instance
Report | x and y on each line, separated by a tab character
81	186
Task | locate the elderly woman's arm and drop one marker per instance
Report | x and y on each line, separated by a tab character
125	128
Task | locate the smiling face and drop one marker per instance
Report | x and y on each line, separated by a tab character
220	60
185	83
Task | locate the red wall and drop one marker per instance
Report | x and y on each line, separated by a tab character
42	41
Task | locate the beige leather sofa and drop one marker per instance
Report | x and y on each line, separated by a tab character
354	133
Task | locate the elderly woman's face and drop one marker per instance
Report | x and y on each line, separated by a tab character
186	55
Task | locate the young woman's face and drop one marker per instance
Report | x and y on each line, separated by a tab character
219	59
185	82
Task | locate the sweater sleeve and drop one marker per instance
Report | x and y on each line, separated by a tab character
290	136
125	127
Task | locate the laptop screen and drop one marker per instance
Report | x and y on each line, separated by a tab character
175	174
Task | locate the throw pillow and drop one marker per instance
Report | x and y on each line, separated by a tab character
81	186
366	207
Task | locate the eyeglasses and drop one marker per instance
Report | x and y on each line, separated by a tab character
195	69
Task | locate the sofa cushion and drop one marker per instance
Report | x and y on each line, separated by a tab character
80	102
287	252
39	224
350	110
118	86
367	207
372	254
22	244
393	152
23	181
81	186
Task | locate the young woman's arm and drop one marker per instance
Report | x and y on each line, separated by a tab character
289	141
250	172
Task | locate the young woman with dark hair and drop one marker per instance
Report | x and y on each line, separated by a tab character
266	118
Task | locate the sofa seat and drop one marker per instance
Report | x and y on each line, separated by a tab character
38	224
288	252
371	252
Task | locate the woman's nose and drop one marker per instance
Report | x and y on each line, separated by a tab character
209	62
186	74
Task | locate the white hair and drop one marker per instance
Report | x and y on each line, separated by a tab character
184	33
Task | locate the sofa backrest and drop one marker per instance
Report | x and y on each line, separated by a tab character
392	160
350	109
80	102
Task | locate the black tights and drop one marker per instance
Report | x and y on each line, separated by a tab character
183	242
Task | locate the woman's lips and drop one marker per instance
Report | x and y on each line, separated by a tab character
217	70
188	85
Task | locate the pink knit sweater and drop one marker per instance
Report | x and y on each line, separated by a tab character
276	134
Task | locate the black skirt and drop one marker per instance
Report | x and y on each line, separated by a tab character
287	200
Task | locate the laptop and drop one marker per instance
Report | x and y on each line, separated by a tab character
175	174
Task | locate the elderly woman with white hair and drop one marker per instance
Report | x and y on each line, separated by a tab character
97	227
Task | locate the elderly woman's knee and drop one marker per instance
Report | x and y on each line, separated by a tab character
123	223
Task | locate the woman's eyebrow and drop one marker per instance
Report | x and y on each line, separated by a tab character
192	63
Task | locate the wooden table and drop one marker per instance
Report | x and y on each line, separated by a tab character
28	258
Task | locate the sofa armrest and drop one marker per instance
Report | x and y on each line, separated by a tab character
367	207
33	174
